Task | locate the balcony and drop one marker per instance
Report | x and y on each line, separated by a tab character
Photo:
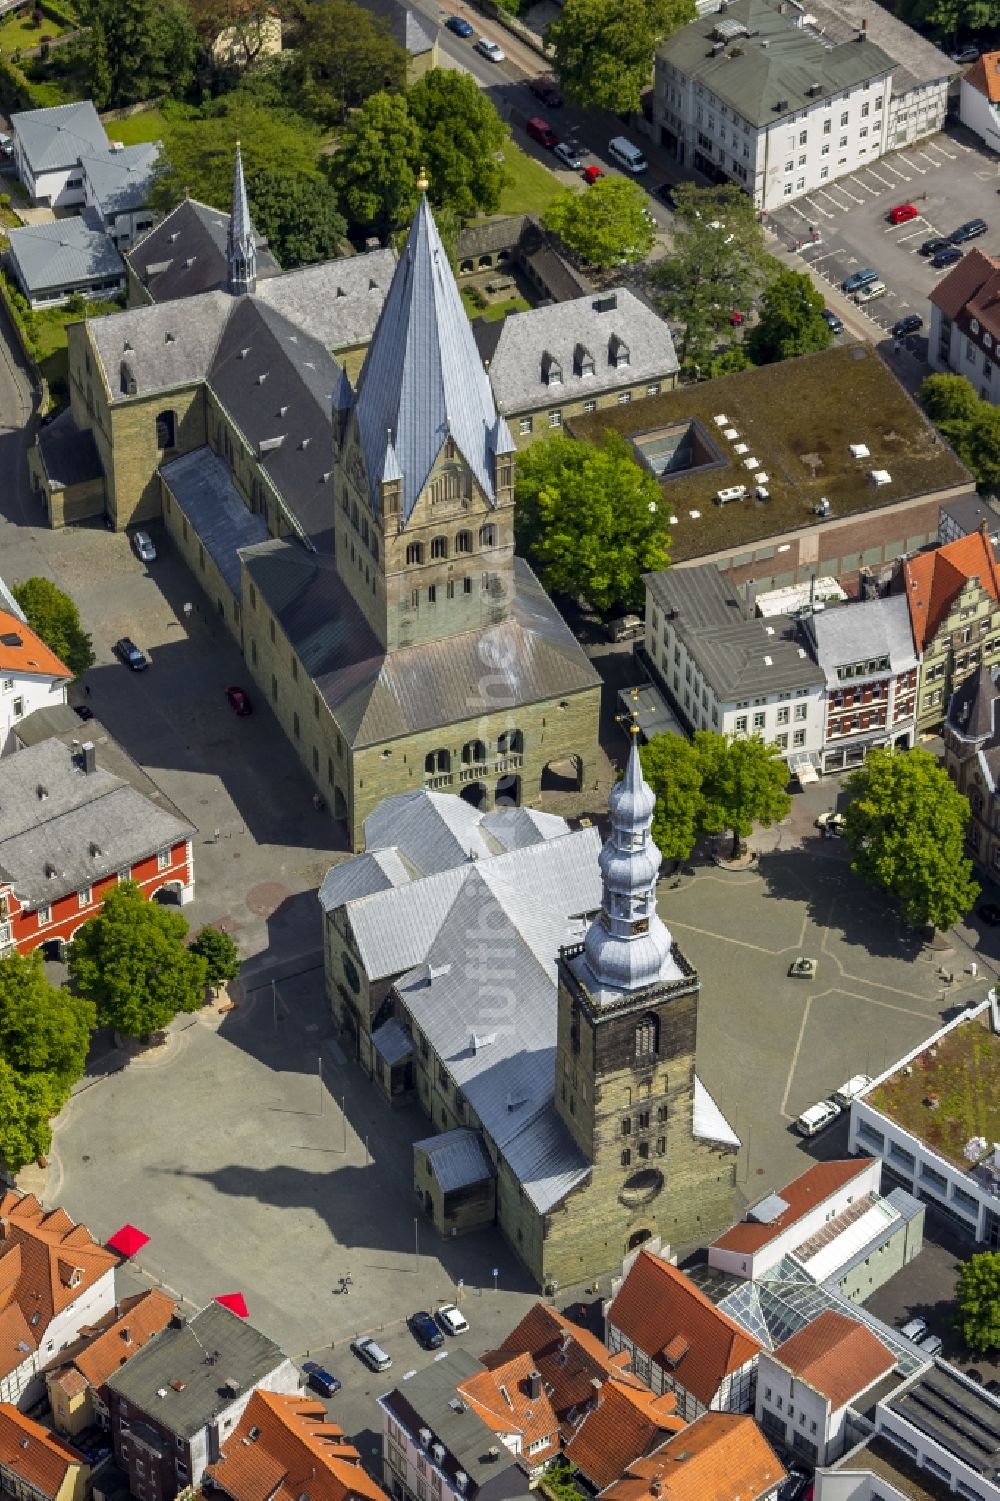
439	779
474	772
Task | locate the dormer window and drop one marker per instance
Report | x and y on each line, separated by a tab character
618	352
551	370
583	360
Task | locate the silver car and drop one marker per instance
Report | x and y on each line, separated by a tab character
569	156
142	545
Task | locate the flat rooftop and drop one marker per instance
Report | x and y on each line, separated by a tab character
951	1093
954	1412
888	1463
798	419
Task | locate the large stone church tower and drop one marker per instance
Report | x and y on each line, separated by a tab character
663	1156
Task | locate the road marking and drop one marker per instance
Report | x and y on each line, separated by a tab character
796	210
928	159
825	256
794	1060
856	182
818	207
842	188
885	183
915	232
936	146
893	168
911	163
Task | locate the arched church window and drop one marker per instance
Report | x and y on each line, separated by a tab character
488	536
437	760
415	553
463	542
439	547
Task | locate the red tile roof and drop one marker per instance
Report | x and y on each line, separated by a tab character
811	1188
976	277
31	1454
46	1263
501	1397
104	1347
933	581
624	1425
24	653
285	1447
836	1356
984	75
721	1456
658	1304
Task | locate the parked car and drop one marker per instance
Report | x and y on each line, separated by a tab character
452	1321
914	1329
850	1091
834	323
459	25
870	291
970	230
239	702
835	822
142	546
319	1379
993	1387
931	247
793	1487
424	1330
126	651
949	257
591	174
374	1357
859	279
902	213
541	131
931	1344
83	712
547	90
911	324
817	1118
989	912
625	627
966	55
491	50
569	156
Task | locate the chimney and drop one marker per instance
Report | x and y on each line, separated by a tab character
595	1385
534	1385
89	754
863	33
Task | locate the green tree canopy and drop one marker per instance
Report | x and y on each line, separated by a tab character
461	141
970	424
671	766
743	783
949	398
297	215
374	171
26	1103
43	1028
604	225
220	954
132	962
791	321
199	147
718	264
138	49
977	1295
345	54
906	827
604	48
590	519
55	617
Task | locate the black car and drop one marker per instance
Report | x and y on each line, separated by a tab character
425	1331
911	324
832	321
931	247
970	230
320	1379
989	913
993	1387
794	1485
126	651
949	257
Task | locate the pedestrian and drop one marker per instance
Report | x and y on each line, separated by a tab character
86	689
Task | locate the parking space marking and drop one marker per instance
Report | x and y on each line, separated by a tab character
818	207
892	167
884	181
856	182
911	163
826	193
936	146
928	158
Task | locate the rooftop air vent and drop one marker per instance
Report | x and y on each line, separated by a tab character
606	303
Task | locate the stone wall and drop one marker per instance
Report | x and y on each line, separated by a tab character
527	426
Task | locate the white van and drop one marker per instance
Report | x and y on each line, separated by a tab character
817	1118
626	155
850	1091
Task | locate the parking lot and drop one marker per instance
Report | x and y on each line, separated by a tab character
946	178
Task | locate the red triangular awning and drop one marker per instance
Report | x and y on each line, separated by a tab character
128	1241
236	1303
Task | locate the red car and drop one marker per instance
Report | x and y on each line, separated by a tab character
902	213
591	174
238	701
547	90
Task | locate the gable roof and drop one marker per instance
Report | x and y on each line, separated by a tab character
62	253
975	279
933	581
972	710
407	27
23	653
721	1456
624	1423
836	1356
185	254
502	1398
984	75
122	177
32	1455
659	1309
569	1357
285	1447
107	1345
812	1187
58	137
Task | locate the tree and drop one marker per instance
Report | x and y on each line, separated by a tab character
55	617
906	828
199	147
977	1295
297	215
590	519
374	172
979	446
250	23
132	962
971	425
727	362
604	48
949	398
605	225
743	783
43	1028
98	69
345	55
461	142
220	954
791	321
26	1103
671	766
718	263
140	49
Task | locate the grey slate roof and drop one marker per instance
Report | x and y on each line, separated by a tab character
362	875
163	346
738	656
392	1041
566	331
69	455
377	697
338	302
918	61
407	27
458	1158
202	484
972	711
58	137
422	380
968	512
176	1357
53	815
854	632
122	179
777	65
63	254
185	253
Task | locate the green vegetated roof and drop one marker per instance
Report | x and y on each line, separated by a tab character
961	1072
799	418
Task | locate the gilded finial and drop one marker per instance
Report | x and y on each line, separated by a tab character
422	181
631	718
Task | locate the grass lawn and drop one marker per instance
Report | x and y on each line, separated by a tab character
534	186
496	310
53	357
19	32
149	125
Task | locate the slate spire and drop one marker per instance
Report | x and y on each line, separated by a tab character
241	249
